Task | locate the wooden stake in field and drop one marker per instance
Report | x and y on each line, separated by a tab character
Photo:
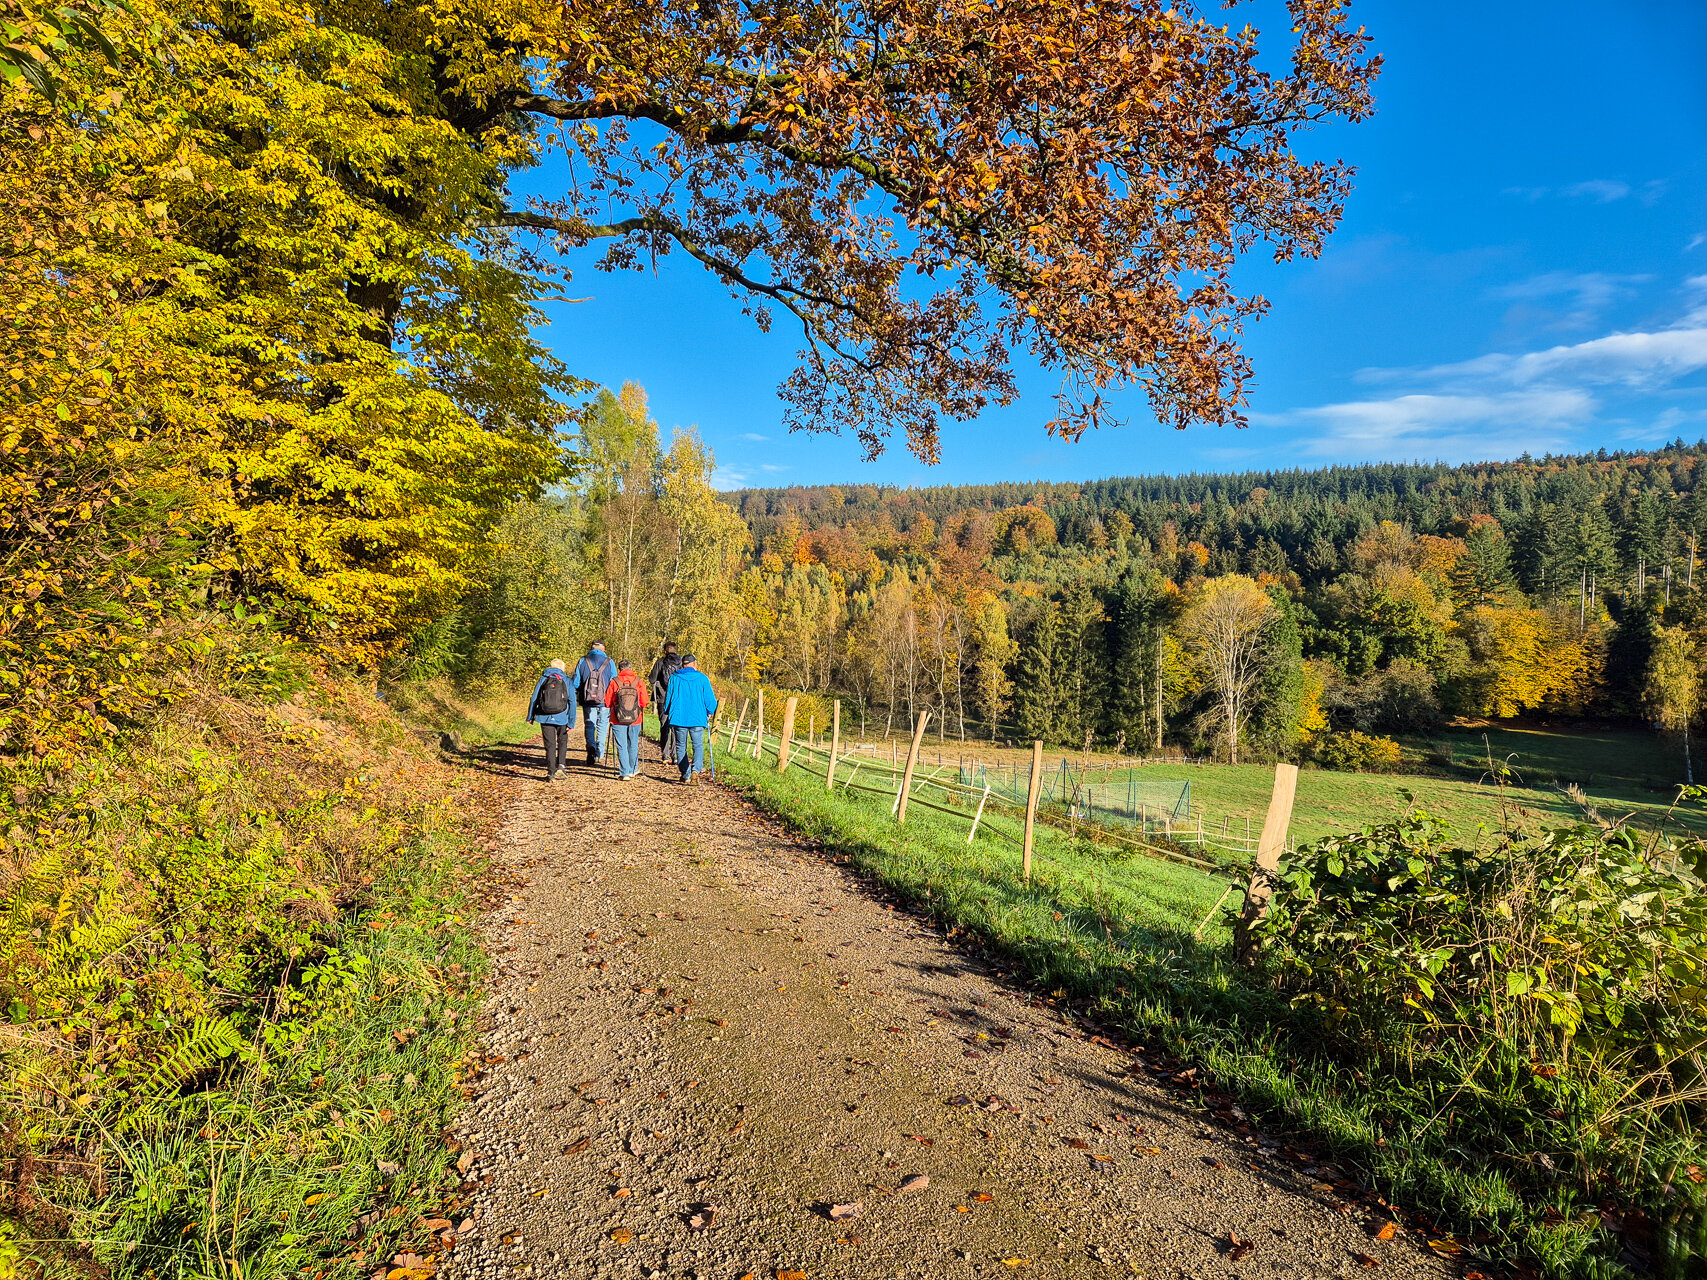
735	728
812	731
787	738
1031	807
835	743
912	760
1269	847
977	817
759	737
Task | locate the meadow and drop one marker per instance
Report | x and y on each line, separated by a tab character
1140	945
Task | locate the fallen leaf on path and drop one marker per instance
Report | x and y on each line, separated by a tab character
720	1022
390	1168
1364	1260
1237	1248
790	1275
1386	1231
465	1226
579	1145
983	1196
620	1192
915	1182
960	1100
703	1220
1078	1144
846	1212
437	1224
622	1235
1446	1248
1016	1262
1213	1163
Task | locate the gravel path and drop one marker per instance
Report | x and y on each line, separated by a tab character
715	1054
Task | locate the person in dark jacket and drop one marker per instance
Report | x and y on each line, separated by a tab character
689	703
593	675
553	710
667	665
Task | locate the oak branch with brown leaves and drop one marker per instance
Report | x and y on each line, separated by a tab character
927	186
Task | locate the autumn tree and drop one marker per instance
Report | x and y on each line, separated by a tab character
1674	687
1224	629
923	189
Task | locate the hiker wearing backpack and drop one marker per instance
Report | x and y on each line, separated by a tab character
593	675
626	701
689	705
667	665
552	708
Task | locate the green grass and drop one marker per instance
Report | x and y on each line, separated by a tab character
1118	936
238	980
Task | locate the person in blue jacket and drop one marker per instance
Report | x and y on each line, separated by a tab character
552	708
689	704
592	678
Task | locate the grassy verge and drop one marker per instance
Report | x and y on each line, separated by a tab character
237	977
1124	939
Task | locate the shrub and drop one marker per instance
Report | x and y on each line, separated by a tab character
1354	751
1549	988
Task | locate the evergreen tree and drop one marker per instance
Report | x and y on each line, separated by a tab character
1483	573
1037	691
1081	666
1280	694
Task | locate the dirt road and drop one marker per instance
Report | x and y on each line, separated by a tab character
717	1054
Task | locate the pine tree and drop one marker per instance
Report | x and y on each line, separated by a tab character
1483	573
1037	692
1081	666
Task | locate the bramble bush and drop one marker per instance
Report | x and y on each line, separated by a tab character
1548	990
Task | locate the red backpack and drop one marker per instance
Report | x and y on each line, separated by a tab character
627	703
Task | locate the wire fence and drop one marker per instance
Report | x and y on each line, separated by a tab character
992	799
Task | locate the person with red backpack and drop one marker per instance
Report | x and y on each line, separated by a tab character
593	675
552	708
625	701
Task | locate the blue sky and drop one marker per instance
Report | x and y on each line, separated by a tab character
1522	266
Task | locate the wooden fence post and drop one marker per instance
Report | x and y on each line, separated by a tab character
1031	807
912	760
1269	847
835	743
759	737
787	738
735	728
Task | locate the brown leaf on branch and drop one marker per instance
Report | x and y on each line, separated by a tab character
1073	181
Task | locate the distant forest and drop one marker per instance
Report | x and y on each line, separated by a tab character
1373	600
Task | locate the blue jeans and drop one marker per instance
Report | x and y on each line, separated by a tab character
598	726
626	737
690	737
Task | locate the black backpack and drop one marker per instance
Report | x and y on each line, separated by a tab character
593	684
672	664
627	709
553	699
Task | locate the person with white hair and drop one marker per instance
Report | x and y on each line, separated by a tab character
552	708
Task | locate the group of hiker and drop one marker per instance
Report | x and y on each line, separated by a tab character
612	699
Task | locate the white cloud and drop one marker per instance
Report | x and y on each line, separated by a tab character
1587	294
727	478
1602	189
1696	241
1501	404
772	466
1451	428
753	435
1628	359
